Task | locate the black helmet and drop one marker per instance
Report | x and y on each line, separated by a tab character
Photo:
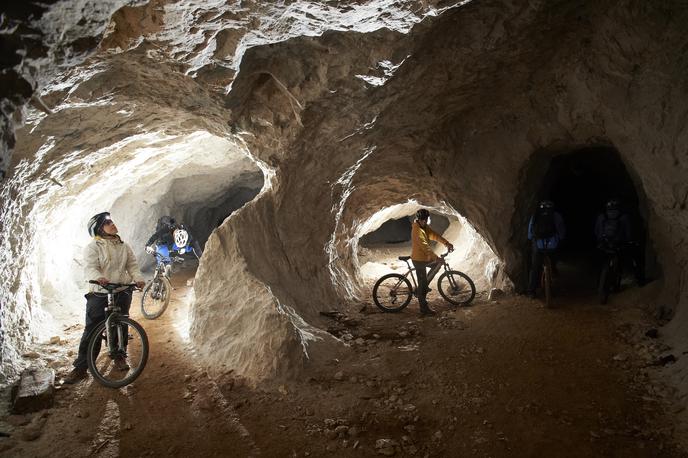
96	222
422	214
166	222
546	205
612	209
612	204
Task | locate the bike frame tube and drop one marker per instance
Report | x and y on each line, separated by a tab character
410	272
546	260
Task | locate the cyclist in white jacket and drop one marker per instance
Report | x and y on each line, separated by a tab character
108	260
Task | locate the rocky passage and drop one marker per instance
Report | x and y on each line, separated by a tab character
287	131
498	378
346	109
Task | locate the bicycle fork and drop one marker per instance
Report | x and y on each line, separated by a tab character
116	337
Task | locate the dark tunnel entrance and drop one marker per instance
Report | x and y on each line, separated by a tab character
580	183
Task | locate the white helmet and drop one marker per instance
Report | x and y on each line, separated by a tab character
181	237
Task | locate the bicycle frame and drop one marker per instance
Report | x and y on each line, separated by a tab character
431	275
163	264
612	260
112	312
546	260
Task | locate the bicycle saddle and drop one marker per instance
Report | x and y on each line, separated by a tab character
404	258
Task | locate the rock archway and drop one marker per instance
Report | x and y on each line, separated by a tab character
137	180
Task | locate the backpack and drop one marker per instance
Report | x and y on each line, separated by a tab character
544	225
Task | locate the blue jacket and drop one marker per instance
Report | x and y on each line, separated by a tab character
550	243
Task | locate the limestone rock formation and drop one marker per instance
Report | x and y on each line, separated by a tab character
345	108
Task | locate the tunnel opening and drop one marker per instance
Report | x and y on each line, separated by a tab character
212	213
199	178
201	201
386	235
580	183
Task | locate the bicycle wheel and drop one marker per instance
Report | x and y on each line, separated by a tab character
155	298
392	292
101	361
456	287
547	281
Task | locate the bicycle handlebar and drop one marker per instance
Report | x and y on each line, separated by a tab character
112	286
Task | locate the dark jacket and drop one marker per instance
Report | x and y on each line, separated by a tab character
623	230
161	237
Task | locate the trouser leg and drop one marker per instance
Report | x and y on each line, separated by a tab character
95	313
422	276
434	268
535	269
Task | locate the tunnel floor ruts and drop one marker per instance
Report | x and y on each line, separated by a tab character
501	378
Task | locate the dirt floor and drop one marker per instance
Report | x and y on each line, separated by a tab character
500	378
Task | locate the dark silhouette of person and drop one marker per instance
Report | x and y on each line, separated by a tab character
546	230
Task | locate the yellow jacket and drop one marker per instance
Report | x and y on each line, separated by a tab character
420	240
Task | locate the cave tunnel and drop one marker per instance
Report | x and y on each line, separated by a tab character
580	183
297	140
203	214
138	181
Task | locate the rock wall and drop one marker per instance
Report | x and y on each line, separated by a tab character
359	106
38	41
458	123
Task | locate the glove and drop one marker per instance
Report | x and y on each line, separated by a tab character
150	249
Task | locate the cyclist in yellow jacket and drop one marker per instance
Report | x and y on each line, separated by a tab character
422	255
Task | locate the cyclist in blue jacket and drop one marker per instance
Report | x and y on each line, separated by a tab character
545	231
172	237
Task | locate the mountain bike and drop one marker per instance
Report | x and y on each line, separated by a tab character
393	292
611	273
156	294
124	338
